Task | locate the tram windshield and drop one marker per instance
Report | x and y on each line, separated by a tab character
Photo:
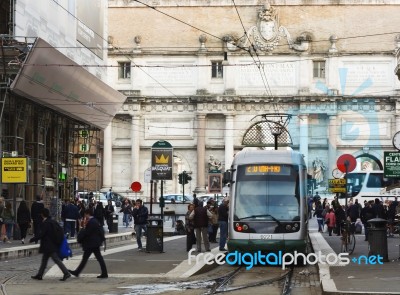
267	193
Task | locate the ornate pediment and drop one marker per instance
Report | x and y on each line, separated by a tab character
266	34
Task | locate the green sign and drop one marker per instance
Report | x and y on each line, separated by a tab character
391	166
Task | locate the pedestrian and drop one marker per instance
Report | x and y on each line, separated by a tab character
320	219
48	246
36	210
9	220
367	213
200	216
109	211
127	210
23	219
140	215
340	216
99	213
91	237
70	213
330	220
189	226
223	224
1	216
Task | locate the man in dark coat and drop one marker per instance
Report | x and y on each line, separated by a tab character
91	238
200	216
140	215
48	246
36	211
70	213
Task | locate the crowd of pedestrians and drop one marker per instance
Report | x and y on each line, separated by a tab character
203	222
331	216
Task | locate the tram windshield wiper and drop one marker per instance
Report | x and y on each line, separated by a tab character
261	215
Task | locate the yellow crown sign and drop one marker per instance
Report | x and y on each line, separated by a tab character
162	159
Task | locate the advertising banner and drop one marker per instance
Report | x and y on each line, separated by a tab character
14	170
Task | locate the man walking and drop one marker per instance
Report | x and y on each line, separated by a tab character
70	213
48	246
140	215
91	238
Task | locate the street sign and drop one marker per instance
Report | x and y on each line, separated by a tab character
337	185
346	160
147	175
161	160
136	186
391	167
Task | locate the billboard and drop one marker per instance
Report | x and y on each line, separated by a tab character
14	170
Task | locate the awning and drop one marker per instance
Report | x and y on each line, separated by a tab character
51	79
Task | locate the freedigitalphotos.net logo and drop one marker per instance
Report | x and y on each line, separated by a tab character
249	260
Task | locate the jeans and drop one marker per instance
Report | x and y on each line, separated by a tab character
9	227
320	224
70	227
138	230
126	219
223	233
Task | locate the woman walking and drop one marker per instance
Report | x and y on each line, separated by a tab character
8	219
189	225
23	219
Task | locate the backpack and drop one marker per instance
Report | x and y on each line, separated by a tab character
64	251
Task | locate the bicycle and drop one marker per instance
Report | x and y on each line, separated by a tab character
348	238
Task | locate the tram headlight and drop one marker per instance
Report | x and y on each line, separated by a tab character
245	227
288	227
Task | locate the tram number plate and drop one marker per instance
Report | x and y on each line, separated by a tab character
266	237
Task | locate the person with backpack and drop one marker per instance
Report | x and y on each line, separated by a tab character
49	246
91	238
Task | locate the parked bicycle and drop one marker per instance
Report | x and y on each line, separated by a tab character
348	238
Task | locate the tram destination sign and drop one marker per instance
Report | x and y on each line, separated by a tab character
391	168
337	185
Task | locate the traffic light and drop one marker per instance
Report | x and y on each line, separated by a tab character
162	202
180	178
186	177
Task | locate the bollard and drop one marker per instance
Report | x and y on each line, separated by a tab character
377	238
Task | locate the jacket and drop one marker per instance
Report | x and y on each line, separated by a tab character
36	209
332	219
200	216
47	237
23	216
92	236
140	215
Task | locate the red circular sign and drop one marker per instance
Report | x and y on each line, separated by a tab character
136	186
346	160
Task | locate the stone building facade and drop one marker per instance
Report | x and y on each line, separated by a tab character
192	77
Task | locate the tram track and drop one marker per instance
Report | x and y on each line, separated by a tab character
222	283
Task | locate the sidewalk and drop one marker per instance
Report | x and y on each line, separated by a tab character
356	277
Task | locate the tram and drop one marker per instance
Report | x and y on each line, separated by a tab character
268	207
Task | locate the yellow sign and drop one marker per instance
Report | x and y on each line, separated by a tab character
337	185
14	170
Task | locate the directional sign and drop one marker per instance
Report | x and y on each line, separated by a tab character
391	166
337	185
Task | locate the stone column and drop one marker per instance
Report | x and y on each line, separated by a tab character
332	143
303	122
228	141
201	146
107	157
135	148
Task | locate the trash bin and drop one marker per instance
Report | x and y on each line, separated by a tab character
377	238
114	224
155	236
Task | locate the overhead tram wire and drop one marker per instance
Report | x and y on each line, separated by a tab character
259	64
